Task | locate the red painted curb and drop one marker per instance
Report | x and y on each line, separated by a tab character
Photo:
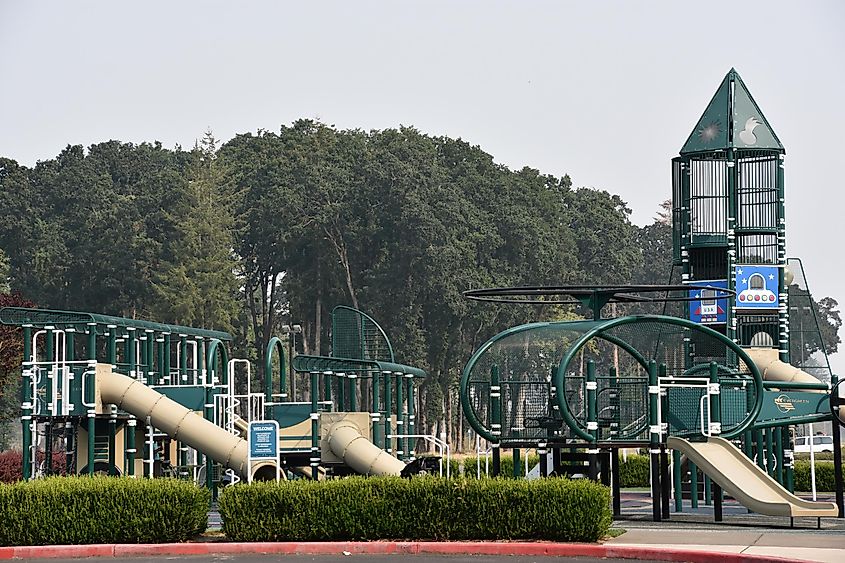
384	548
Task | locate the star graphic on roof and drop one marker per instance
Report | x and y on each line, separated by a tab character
771	276
710	131
745	281
739	271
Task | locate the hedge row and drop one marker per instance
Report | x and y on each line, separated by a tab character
11	464
428	508
635	473
80	510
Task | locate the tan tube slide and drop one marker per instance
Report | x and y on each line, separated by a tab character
726	465
773	369
347	442
173	419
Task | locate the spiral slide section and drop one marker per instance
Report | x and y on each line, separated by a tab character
173	419
751	486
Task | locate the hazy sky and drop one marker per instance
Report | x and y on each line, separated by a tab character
604	91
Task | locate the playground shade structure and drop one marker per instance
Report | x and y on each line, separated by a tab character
183	424
732	470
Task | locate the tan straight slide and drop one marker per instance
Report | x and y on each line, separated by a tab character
728	467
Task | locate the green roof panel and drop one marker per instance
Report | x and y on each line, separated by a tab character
732	120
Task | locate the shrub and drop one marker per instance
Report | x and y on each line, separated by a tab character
11	463
825	478
634	471
506	461
79	510
428	508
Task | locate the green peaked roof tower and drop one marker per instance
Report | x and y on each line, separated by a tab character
732	120
728	221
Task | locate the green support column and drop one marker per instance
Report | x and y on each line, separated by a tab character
693	485
654	439
592	419
166	368
111	351
150	359
353	391
112	441
49	353
142	357
411	422
778	435
70	394
130	446
208	408
89	388
789	460
27	402
70	448
770	454
715	430
496	418
388	405
676	481
760	450
341	392
375	415
159	364
400	422
183	358
315	425
327	389
131	349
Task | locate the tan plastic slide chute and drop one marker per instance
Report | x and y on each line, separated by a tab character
727	466
183	424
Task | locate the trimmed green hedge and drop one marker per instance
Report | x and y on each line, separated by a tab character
825	478
428	508
81	510
634	471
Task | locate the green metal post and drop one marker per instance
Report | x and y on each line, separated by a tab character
150	361
352	378
592	419
27	407
761	458
142	357
778	436
654	439
676	481
715	429
92	413
374	412
49	351
131	357
411	425
112	441
70	448
708	489
770	454
400	422
693	485
388	405
315	424
166	368
327	389
111	351
208	408
159	367
341	392
130	446
789	459
183	357
496	418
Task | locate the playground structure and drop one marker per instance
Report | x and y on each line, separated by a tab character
720	381
110	388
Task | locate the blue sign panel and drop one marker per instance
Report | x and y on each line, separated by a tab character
756	287
704	307
264	440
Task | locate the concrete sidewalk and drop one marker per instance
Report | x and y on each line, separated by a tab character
807	545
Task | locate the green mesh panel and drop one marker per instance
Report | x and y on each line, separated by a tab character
356	335
525	357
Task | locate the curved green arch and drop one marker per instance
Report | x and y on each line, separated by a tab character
275	345
469	412
633	319
217	350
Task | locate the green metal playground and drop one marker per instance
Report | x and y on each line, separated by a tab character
707	373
